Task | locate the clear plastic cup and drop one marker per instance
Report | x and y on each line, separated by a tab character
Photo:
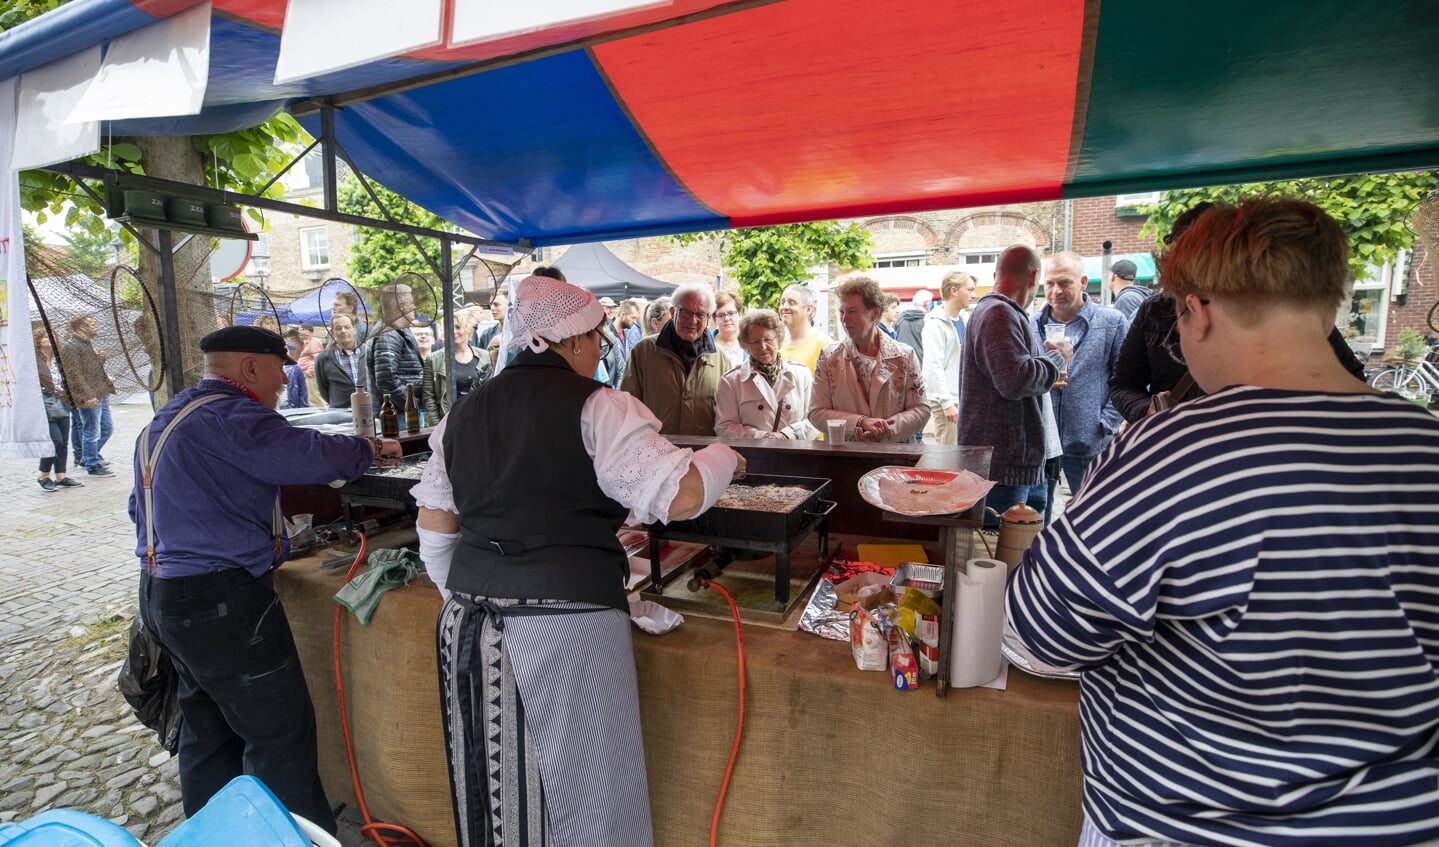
834	432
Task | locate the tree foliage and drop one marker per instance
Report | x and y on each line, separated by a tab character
241	161
768	259
88	252
381	255
1370	207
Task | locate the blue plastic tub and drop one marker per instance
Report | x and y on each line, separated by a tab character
66	828
243	814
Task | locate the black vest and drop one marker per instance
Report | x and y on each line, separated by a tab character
534	523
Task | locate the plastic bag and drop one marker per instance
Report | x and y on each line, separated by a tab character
867	642
149	683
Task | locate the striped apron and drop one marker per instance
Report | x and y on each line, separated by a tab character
542	728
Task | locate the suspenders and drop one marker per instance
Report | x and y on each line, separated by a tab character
147	470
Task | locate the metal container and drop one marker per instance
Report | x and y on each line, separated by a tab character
387	486
927	579
721	523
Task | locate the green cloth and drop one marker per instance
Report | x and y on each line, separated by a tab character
388	569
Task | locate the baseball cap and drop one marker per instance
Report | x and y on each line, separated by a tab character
1124	269
607	302
245	339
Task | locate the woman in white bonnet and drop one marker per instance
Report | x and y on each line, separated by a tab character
532	475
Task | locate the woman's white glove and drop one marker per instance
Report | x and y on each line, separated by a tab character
436	550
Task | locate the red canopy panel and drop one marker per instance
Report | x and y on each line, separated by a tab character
825	108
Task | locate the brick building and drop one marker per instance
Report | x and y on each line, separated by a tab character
911	251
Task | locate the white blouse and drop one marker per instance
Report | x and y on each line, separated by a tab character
635	465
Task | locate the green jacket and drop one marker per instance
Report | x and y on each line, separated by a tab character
435	384
684	404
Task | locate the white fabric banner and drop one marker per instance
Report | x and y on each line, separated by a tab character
322	36
24	428
47	97
154	72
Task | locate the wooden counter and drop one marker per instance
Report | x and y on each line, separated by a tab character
831	756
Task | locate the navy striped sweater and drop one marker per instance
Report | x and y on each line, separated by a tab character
1251	583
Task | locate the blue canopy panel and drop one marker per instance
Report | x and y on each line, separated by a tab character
549	129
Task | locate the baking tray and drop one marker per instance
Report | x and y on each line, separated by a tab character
720	524
388	484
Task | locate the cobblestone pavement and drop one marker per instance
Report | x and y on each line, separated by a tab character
67	738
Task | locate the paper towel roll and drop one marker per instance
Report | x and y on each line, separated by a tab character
974	648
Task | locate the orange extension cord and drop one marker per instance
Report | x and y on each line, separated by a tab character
385	834
739	724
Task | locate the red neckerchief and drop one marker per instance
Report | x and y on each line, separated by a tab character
225	379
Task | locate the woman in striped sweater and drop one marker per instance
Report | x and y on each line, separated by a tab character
1250	581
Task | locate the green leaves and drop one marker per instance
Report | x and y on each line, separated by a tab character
1370	207
381	255
767	260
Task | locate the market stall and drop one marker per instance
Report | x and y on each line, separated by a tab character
831	755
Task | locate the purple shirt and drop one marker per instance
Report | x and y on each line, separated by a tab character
217	479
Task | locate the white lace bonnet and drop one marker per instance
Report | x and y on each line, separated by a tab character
545	310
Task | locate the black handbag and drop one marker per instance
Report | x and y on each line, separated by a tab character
149	683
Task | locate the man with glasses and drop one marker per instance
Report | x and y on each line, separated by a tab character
676	373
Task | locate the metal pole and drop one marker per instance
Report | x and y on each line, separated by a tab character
447	296
170	312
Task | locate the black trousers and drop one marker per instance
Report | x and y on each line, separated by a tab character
243	697
60	435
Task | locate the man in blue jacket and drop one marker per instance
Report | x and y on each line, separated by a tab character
1087	419
208	540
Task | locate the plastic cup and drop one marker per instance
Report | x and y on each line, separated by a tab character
1054	332
834	432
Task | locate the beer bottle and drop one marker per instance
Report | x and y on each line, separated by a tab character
412	410
389	419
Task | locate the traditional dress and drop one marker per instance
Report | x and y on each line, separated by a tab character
537	671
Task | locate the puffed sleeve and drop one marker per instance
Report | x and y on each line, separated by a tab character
635	465
433	491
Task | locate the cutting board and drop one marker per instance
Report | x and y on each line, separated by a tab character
891	555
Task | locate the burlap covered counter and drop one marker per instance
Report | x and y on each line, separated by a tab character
831	756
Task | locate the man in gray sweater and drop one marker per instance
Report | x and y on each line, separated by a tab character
1004	375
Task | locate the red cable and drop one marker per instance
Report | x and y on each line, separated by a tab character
372	830
739	725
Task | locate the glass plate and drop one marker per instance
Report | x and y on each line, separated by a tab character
916	492
1018	655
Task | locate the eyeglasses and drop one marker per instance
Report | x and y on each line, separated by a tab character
766	341
725	316
605	343
1170	342
681	312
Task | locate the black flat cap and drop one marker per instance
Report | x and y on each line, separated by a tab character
1124	269
246	339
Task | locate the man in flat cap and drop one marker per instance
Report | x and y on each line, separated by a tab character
1127	295
209	534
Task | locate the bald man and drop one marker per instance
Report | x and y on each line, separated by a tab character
1005	376
206	591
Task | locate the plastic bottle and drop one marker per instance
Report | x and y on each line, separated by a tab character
389	419
412	410
363	410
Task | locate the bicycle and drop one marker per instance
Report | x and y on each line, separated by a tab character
1410	379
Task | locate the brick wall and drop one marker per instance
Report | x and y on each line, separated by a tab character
1096	220
1419	300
